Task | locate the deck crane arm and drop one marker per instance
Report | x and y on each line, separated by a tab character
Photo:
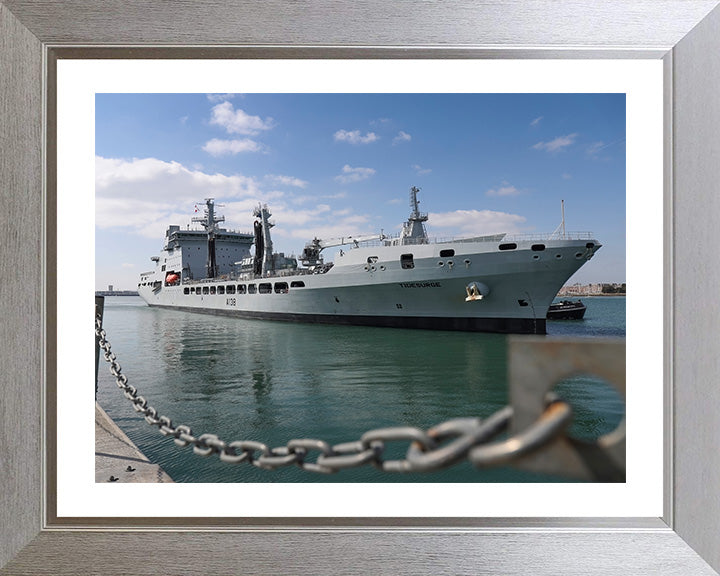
311	253
342	241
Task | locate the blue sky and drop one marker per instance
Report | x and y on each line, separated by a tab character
333	165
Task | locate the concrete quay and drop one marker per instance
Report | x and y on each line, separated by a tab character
117	459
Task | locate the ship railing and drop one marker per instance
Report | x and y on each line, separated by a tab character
553	236
248	275
397	240
517	238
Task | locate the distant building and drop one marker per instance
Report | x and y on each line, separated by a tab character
578	289
110	288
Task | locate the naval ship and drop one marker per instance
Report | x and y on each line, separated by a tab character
491	283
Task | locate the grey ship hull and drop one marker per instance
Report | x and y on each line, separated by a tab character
499	325
374	286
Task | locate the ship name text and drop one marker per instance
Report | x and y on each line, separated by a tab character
420	285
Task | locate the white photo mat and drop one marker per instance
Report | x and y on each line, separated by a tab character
640	80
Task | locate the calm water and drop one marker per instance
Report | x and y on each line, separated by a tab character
272	381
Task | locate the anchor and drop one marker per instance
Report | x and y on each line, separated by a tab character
476	291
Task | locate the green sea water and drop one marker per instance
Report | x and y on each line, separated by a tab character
274	381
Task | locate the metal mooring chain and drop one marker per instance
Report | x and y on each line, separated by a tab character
439	447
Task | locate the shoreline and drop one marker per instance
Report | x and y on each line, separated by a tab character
591	295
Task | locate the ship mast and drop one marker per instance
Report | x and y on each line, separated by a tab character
560	230
210	222
414	229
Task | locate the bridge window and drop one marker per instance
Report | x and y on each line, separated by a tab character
206	290
281	287
221	289
252	289
406	261
230	289
297	284
241	289
508	246
212	289
186	290
265	288
537	247
447	253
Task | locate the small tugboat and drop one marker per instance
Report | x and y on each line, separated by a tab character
566	310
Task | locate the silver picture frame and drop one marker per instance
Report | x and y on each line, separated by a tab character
684	34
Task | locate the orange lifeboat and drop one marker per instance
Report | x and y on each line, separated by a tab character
172	278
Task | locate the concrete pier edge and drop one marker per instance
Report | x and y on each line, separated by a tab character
117	459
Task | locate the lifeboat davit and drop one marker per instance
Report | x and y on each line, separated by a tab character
172	279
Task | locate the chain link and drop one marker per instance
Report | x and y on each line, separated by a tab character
448	443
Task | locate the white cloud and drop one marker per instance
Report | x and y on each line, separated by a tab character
355	137
595	148
557	144
505	190
476	222
536	121
220	97
142	197
402	137
330	225
419	170
350	174
304	199
280	180
238	121
320	220
146	194
217	147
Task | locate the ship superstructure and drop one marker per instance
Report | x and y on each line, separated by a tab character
193	254
494	283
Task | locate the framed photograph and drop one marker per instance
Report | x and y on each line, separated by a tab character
662	520
290	145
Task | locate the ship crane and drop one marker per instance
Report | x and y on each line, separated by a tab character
344	240
311	253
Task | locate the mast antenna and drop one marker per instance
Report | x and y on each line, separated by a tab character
210	222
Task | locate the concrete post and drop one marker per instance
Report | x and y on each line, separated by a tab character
99	309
